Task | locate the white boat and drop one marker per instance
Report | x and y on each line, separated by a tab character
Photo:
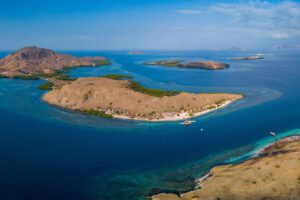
272	133
187	122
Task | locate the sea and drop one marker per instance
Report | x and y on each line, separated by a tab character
47	153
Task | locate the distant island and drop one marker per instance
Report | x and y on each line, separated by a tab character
236	48
111	96
257	57
30	62
209	65
136	53
273	174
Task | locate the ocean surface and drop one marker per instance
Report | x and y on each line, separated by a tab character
50	153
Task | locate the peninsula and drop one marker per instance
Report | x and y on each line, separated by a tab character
34	61
111	96
210	65
273	174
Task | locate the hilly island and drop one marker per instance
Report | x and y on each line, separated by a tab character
127	99
35	61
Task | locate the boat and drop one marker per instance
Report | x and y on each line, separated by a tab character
272	133
187	122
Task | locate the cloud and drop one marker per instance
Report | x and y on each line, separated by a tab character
265	19
261	14
279	35
190	12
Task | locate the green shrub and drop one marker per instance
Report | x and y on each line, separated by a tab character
48	75
46	86
117	76
98	113
101	62
26	77
220	102
152	92
3	76
64	77
152	113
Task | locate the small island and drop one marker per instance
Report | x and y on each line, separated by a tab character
209	65
35	62
257	57
136	53
272	174
112	96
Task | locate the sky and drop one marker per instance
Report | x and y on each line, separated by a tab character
149	24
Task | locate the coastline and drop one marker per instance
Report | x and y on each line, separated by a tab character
256	154
267	168
182	115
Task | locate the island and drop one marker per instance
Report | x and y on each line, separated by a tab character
257	57
136	53
272	174
209	65
112	96
33	62
236	48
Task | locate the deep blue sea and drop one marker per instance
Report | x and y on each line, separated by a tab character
52	154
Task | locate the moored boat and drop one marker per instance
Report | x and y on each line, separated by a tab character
187	122
272	133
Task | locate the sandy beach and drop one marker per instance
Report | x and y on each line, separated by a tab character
177	116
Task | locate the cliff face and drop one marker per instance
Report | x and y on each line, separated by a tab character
34	60
274	175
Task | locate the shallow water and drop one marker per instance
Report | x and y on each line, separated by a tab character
50	153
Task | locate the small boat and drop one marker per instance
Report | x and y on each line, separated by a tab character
272	133
187	122
201	129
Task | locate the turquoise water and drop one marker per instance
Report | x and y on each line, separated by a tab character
50	153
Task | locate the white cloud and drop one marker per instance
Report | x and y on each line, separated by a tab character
265	19
278	35
189	12
261	14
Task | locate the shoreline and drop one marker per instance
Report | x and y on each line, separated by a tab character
182	115
264	171
257	154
